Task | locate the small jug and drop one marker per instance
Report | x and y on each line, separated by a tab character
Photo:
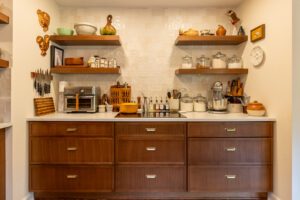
221	31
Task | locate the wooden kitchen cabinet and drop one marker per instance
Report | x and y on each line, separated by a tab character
150	160
2	164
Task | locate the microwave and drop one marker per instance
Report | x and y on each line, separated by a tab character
81	99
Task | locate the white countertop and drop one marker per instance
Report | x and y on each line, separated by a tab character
190	117
5	125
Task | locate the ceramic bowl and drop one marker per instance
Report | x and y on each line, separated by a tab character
256	113
85	29
65	31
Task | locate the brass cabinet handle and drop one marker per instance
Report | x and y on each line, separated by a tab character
151	130
72	149
72	176
151	176
151	148
230	176
231	149
71	129
230	130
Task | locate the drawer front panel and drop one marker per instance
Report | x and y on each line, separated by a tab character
229	151
155	128
71	179
151	151
230	129
150	179
230	179
52	150
71	129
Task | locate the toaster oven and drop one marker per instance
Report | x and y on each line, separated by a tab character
81	99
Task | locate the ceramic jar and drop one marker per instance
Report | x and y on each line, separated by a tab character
256	109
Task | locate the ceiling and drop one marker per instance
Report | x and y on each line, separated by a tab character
150	3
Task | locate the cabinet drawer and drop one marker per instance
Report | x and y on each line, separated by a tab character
229	151
71	150
139	151
136	128
230	129
71	129
230	179
71	179
150	179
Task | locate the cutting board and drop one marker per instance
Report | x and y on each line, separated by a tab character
44	106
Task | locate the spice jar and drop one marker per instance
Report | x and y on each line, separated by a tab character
200	103
235	62
219	61
187	62
186	103
203	62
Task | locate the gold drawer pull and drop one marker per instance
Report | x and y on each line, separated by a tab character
72	176
230	130
151	148
230	176
71	129
72	149
151	176
231	149
151	130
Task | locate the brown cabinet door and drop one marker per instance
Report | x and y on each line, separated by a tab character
2	164
150	179
230	179
212	151
150	128
230	129
71	179
71	129
150	151
52	150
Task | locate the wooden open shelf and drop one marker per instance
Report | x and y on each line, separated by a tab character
4	19
4	63
210	40
84	70
212	71
86	40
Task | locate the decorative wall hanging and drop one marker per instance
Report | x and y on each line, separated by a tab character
43	44
233	17
57	56
258	33
44	19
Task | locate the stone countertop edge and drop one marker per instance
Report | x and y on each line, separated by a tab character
190	117
5	125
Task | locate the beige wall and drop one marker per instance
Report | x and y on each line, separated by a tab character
296	99
272	82
26	59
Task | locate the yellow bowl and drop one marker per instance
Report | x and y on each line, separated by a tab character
128	108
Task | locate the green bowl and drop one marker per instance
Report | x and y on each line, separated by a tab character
65	31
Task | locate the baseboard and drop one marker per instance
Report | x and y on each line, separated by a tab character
28	197
272	196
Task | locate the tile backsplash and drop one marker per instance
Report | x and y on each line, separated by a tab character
148	56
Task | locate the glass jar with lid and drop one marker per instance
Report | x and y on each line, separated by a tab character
203	62
186	103
200	103
235	62
219	61
187	62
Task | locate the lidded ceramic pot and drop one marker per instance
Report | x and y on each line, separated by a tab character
256	109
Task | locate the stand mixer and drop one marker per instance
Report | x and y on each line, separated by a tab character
218	102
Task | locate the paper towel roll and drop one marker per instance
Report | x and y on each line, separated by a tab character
62	85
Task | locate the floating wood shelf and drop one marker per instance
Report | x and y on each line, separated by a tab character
212	71
4	19
86	40
84	70
4	63
210	40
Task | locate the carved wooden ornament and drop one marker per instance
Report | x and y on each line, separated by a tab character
44	19
43	44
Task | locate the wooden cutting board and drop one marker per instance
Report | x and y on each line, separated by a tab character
44	106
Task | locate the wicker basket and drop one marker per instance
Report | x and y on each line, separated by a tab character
120	95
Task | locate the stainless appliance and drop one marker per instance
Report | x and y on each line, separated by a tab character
218	102
81	99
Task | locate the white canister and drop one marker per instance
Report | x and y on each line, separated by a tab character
174	104
235	108
109	108
219	61
101	108
186	107
199	106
